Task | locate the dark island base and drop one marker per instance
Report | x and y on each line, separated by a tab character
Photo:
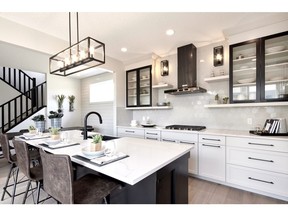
168	185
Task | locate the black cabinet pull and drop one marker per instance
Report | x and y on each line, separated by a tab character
254	179
151	138
261	144
251	158
167	140
151	133
211	145
129	131
187	142
211	139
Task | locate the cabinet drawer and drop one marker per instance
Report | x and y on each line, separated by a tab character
255	143
265	181
131	132
179	136
212	139
152	134
271	161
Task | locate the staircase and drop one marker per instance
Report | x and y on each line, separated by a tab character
17	79
31	100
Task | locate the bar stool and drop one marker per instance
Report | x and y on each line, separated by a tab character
33	173
13	171
58	182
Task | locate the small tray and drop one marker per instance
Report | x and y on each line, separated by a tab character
260	133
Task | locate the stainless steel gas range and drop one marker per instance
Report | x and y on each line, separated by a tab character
185	127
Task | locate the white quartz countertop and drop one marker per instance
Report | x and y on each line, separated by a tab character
145	156
222	132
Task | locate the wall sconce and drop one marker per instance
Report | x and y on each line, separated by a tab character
218	56
164	67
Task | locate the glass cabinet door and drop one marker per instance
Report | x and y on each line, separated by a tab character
132	88
138	87
145	94
276	68
243	73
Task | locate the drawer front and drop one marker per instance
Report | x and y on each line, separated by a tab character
265	181
179	136
212	161
131	132
212	139
270	161
255	143
152	134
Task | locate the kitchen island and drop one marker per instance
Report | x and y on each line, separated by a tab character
154	172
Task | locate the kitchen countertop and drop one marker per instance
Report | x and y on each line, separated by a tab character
145	156
222	132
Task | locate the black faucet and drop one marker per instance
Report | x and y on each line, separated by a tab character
85	122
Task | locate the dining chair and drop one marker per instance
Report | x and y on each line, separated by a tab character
32	172
58	182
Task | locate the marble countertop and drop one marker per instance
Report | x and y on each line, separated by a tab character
145	156
222	132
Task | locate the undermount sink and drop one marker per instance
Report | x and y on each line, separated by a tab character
105	138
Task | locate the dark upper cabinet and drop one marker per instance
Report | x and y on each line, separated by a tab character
186	59
259	70
139	87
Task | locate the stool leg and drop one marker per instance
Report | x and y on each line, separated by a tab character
38	192
14	187
26	192
7	182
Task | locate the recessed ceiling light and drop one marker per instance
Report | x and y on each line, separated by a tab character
170	32
124	49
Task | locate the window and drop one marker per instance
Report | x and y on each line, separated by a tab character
102	91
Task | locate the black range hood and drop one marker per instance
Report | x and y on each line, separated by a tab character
187	74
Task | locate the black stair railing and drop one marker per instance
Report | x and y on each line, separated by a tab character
18	80
18	109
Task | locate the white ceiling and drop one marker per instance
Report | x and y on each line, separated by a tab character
143	33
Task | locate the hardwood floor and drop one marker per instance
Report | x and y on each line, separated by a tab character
200	192
205	192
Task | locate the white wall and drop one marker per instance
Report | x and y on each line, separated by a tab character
58	85
189	109
105	109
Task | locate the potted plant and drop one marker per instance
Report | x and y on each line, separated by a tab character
32	129
96	144
55	134
225	100
71	103
56	118
39	122
60	100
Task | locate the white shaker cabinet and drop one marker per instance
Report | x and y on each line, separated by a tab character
152	134
258	163
212	156
130	132
187	138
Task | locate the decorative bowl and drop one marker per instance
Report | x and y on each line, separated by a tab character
276	78
52	141
275	49
28	135
87	151
248	80
244	67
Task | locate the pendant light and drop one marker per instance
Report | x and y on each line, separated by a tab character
83	55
